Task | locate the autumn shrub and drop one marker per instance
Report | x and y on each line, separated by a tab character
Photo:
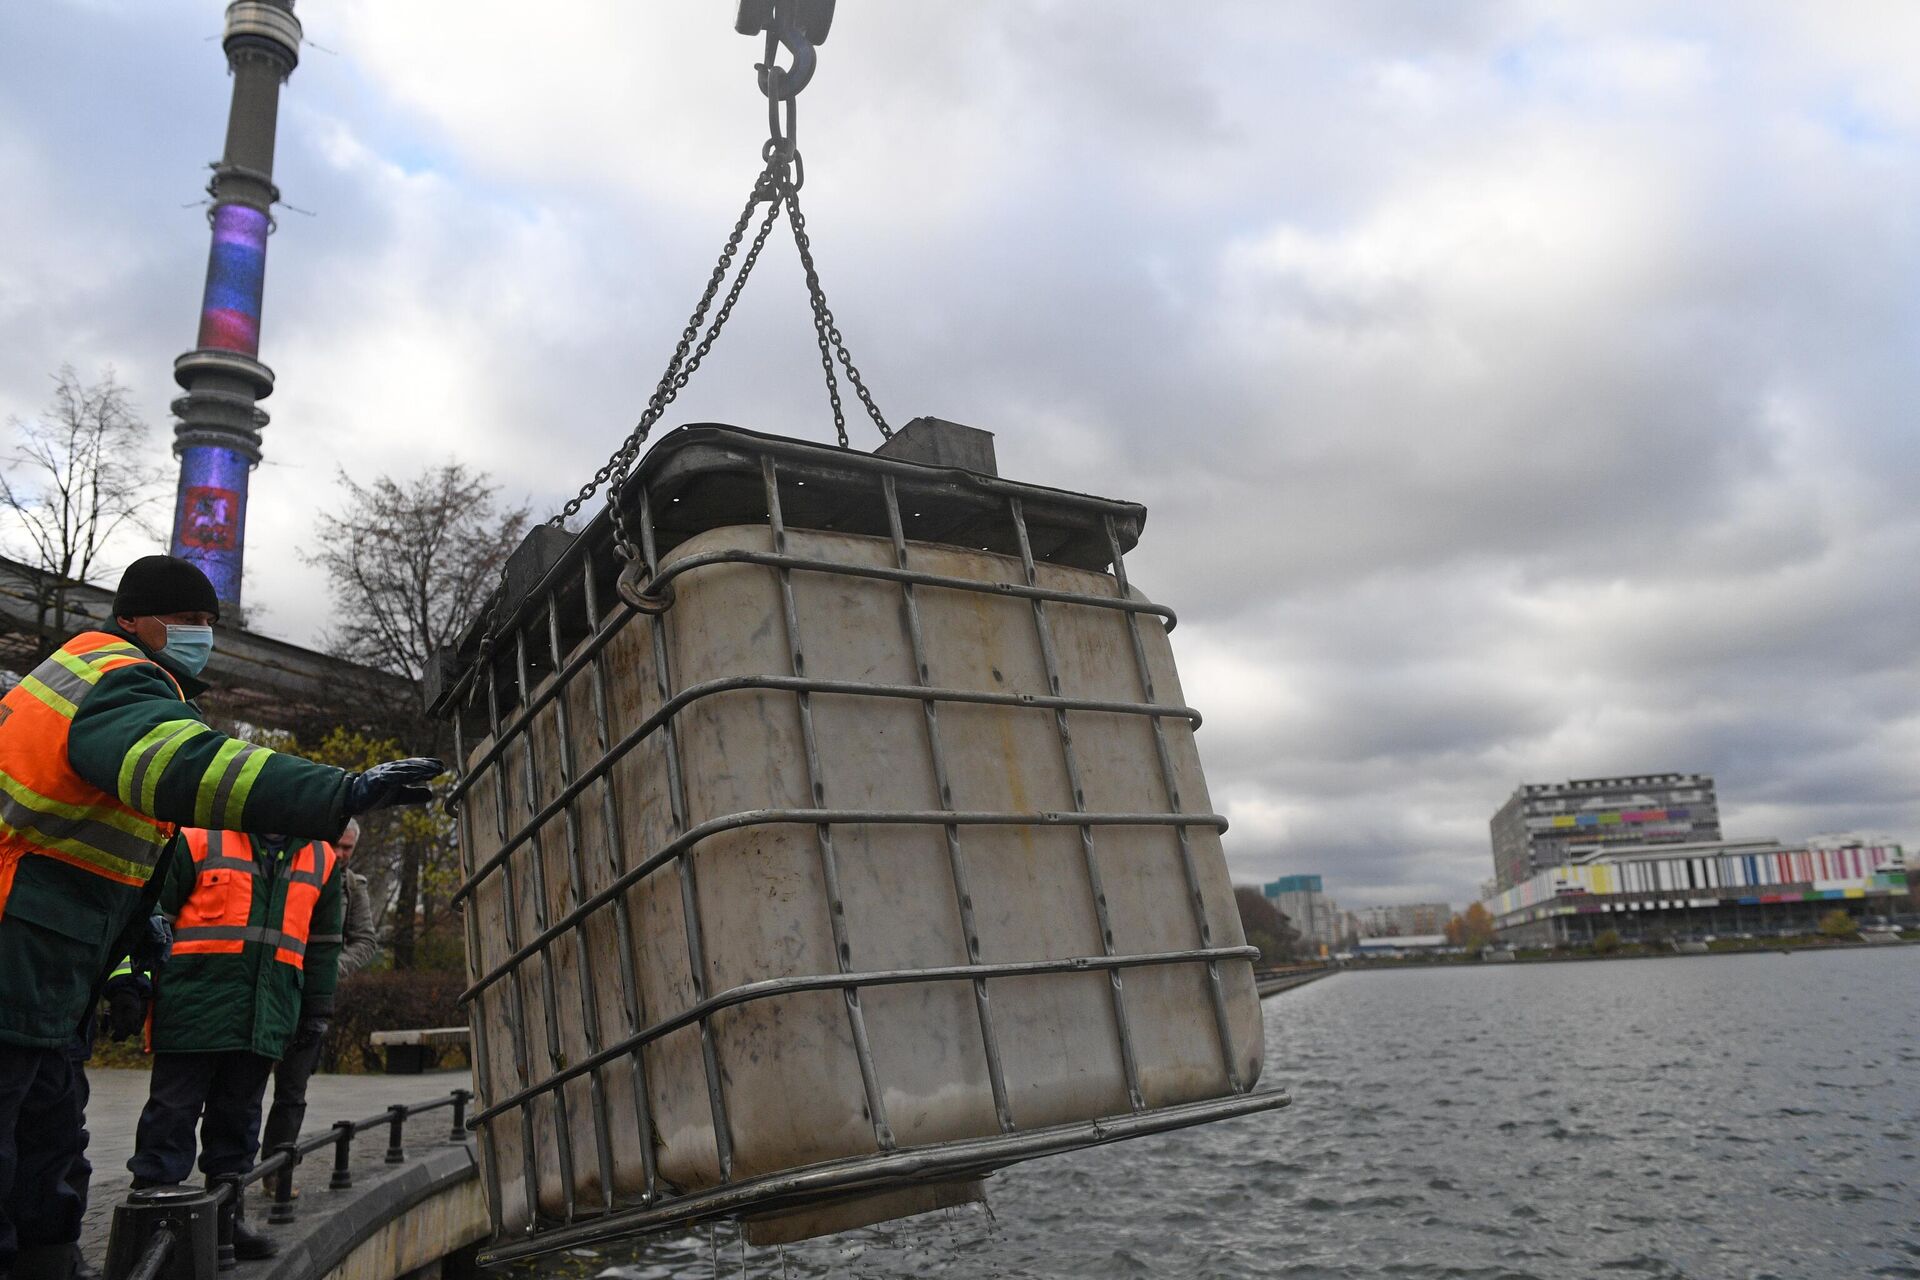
388	1001
1838	924
1607	941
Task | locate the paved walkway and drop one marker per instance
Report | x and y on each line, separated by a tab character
118	1096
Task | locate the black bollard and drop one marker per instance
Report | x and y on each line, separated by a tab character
187	1216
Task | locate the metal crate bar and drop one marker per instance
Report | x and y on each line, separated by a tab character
659	579
517	1013
1071	759
945	1160
823	833
490	1150
1194	900
956	862
1074	530
673	851
689	889
732	684
589	994
769	988
617	845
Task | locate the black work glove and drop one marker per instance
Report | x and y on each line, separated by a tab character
308	1032
152	945
395	782
127	995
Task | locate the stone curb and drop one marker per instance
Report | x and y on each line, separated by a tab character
316	1243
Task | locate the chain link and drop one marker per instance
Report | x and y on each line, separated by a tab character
827	331
777	187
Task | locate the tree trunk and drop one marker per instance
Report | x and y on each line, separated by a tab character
406	910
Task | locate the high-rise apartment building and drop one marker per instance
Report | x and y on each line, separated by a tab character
1303	900
1547	824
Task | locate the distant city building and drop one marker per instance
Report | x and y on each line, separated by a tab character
1550	824
1407	945
1718	887
1407	920
1303	900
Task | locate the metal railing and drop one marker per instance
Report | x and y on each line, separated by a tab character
157	1221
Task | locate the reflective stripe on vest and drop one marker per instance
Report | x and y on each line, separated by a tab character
47	809
216	919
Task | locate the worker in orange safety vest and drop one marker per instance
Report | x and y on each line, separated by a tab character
102	752
246	968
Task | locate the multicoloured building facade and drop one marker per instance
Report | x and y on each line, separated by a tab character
1689	890
1549	824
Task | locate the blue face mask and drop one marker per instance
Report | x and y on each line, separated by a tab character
189	647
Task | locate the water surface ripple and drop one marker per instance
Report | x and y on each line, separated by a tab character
1736	1116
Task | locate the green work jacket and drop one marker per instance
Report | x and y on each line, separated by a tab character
128	736
241	968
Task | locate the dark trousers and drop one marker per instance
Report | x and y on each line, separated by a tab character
227	1088
289	1110
79	1049
40	1138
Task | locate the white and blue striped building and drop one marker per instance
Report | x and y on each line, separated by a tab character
1692	890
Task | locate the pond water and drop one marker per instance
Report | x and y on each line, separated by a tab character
1742	1116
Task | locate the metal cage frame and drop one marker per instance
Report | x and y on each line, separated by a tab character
505	668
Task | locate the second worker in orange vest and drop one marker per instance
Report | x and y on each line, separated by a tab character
247	960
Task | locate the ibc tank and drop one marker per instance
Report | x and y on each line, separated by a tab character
869	853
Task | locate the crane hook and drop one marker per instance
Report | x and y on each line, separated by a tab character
800	25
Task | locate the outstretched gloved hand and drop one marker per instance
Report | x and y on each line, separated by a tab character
393	783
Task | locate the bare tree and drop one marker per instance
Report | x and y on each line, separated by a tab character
78	476
411	564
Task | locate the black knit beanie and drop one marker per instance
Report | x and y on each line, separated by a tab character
164	584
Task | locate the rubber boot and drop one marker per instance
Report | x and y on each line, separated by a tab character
250	1245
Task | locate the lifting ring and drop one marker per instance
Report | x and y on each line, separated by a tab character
631	588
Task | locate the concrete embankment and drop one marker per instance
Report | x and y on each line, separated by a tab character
1273	983
396	1218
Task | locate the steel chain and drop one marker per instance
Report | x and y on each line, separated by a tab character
827	331
778	187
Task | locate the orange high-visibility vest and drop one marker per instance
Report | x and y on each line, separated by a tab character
47	809
217	916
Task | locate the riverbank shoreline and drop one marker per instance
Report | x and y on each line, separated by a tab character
1784	947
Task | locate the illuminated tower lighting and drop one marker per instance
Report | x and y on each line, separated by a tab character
218	436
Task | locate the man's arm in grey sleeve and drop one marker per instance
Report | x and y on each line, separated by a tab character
362	941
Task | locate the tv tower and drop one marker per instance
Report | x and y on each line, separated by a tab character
218	436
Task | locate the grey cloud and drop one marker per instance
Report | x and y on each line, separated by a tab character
1517	393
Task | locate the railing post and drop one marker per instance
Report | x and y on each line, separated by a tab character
282	1210
342	1156
396	1135
459	1131
230	1186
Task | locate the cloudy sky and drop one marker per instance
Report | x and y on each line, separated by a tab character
1518	393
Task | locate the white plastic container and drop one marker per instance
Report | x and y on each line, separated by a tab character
820	712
